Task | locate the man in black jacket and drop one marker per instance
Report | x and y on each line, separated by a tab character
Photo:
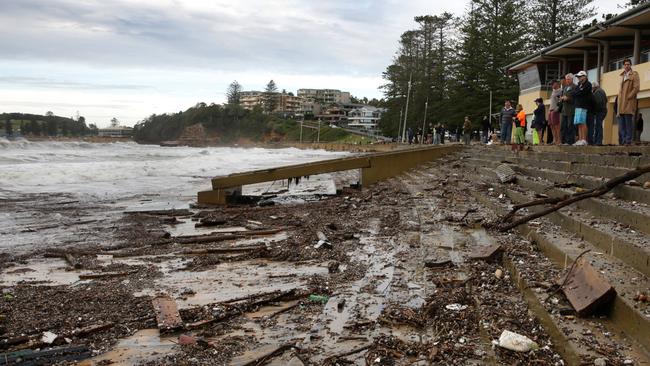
582	97
599	113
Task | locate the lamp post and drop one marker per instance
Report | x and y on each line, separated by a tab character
406	112
424	124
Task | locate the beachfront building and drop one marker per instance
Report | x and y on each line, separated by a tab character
325	96
116	131
600	51
364	117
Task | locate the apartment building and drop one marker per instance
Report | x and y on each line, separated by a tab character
325	96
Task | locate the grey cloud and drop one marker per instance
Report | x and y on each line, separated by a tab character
49	83
132	34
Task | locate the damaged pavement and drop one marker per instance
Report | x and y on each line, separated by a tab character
409	271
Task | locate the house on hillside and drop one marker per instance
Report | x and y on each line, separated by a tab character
600	51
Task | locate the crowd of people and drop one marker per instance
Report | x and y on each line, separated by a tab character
577	110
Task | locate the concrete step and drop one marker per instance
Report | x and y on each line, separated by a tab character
593	165
607	234
637	150
636	216
625	191
629	160
577	340
626	315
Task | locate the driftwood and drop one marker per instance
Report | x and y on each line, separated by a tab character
264	355
248	248
92	276
559	202
217	238
348	353
234	310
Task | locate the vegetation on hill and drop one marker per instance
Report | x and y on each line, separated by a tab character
229	124
45	125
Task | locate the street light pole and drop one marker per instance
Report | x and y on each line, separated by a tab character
399	128
318	136
424	124
301	123
406	112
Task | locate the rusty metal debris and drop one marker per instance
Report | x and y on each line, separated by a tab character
487	253
586	289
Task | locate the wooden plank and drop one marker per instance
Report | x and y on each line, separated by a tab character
586	289
291	171
167	314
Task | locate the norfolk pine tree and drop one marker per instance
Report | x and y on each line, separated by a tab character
234	93
270	98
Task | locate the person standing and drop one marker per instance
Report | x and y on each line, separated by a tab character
520	138
638	130
627	103
538	120
567	129
485	128
506	117
467	130
582	96
600	112
554	113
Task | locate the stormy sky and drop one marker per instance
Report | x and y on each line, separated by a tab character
129	59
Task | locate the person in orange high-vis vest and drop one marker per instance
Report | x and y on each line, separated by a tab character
520	139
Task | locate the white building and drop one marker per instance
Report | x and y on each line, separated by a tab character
365	117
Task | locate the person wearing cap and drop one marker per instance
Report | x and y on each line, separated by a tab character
627	103
600	111
554	113
582	96
538	119
567	129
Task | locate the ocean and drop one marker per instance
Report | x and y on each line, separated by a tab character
37	179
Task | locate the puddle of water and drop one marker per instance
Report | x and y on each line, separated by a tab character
232	280
46	271
145	345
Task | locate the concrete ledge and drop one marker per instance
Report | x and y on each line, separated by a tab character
374	168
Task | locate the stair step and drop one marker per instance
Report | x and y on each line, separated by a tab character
619	160
626	315
624	191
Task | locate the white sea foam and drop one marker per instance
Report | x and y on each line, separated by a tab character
114	171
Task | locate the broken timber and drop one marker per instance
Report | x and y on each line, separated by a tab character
167	314
374	168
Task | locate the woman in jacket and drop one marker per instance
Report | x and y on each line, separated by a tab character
539	118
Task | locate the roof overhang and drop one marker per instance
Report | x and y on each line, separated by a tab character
618	31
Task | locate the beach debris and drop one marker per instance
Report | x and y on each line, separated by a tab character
505	173
319	298
261	355
437	263
92	276
48	337
498	273
456	307
516	342
322	241
586	289
167	314
194	239
487	253
51	354
81	332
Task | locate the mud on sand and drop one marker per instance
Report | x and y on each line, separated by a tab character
379	276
